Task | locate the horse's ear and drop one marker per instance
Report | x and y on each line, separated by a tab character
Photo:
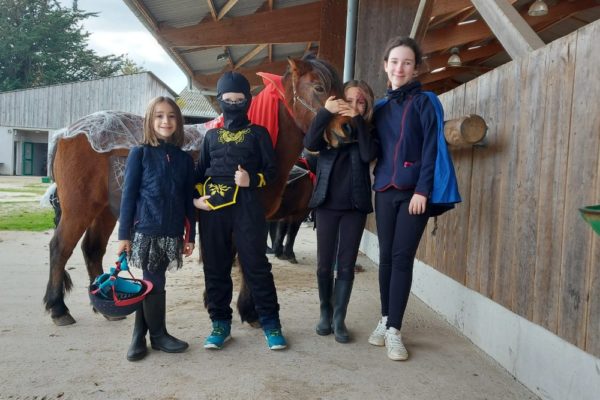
293	65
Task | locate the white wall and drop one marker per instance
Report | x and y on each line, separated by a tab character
549	366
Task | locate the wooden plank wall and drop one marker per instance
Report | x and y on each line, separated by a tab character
58	106
518	238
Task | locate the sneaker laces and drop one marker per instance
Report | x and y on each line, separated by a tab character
394	340
273	332
381	328
218	331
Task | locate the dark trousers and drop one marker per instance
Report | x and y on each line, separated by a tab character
338	238
399	234
158	280
241	225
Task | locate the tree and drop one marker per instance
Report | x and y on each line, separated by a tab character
44	44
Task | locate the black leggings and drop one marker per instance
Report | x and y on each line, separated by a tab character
399	234
338	238
158	279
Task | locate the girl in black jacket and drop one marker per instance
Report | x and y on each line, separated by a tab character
342	200
157	200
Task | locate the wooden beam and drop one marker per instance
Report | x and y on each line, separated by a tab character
213	10
422	19
249	56
209	81
516	36
449	72
223	11
296	24
333	32
457	35
443	7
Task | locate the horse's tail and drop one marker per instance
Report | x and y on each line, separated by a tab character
50	198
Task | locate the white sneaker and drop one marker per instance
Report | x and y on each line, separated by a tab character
393	342
377	338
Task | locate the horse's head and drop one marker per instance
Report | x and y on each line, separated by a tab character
308	83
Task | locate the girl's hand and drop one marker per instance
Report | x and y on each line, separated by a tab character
124	246
242	179
346	109
331	105
201	203
417	204
188	248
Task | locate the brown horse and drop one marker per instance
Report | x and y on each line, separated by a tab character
86	186
285	224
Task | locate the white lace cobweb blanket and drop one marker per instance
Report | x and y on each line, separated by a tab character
110	130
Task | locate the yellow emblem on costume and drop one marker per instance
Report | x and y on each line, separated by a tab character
221	195
226	136
217	188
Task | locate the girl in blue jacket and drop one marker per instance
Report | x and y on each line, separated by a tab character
407	128
156	202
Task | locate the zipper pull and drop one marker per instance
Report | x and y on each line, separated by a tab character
168	158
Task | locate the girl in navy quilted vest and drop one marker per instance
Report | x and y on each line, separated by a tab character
342	200
406	125
156	201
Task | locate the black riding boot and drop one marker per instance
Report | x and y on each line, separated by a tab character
325	297
154	313
342	291
138	350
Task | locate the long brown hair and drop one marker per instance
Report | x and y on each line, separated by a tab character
367	92
150	136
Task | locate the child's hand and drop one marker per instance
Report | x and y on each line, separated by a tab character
124	245
242	179
345	109
201	203
188	248
331	105
417	204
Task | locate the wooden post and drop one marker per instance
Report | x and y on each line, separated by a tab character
465	131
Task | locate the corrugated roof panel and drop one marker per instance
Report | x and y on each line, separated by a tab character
194	104
178	13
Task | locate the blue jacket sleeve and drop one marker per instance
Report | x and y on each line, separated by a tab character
131	192
368	144
313	140
429	128
203	163
189	197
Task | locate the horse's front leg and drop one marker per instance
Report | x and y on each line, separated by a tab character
62	244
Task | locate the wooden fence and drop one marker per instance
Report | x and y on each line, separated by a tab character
518	238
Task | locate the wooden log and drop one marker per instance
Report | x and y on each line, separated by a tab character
465	131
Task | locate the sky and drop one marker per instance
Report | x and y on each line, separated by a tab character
116	30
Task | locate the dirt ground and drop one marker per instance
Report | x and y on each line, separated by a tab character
87	360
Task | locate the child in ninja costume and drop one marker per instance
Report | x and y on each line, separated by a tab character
235	162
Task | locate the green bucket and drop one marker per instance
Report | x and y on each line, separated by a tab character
591	215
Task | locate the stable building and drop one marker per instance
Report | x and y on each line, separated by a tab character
29	117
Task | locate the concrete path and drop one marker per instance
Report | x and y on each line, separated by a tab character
87	360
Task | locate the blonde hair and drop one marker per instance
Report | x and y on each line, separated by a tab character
367	92
150	135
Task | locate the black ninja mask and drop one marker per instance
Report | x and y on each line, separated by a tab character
234	113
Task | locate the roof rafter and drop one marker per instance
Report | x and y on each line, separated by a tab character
456	35
250	55
276	67
225	9
441	60
286	25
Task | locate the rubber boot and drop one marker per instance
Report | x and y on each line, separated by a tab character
154	313
325	297
341	294
138	350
